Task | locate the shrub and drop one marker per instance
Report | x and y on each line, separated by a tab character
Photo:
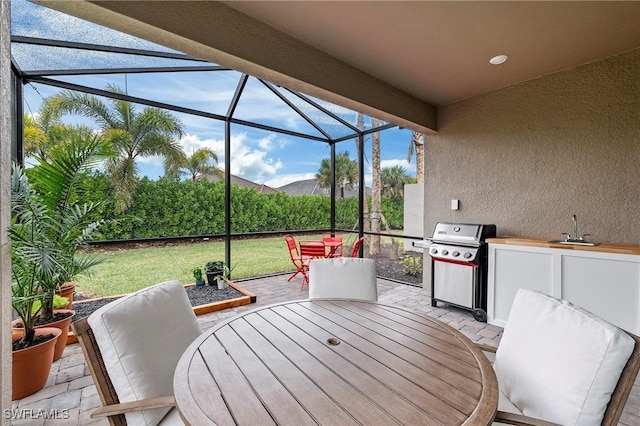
412	264
172	208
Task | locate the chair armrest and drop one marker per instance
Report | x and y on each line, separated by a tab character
486	348
128	407
503	417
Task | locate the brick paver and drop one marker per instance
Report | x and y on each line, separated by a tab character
71	395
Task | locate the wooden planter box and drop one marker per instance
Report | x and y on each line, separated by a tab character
246	298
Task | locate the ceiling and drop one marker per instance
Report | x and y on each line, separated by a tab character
398	61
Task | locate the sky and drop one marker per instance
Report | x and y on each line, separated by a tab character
266	157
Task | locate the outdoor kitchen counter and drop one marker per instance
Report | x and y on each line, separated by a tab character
604	279
534	242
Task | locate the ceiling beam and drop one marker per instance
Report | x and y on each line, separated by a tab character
221	34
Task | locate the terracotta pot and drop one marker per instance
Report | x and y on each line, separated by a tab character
62	325
31	366
67	290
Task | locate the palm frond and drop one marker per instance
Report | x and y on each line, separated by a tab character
58	174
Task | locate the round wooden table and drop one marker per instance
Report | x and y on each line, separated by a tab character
334	362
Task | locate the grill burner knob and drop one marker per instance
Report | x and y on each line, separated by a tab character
455	253
467	255
444	252
434	251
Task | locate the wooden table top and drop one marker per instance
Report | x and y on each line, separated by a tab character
334	362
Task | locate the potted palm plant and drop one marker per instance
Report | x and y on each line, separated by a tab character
51	187
33	256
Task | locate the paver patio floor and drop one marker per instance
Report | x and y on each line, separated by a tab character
71	393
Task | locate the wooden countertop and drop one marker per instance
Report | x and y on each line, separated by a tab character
534	242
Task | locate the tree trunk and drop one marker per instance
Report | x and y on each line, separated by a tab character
365	209
419	141
374	247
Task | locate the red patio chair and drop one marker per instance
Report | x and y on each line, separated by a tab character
356	247
296	258
310	250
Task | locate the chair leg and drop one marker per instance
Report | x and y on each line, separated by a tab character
305	279
293	275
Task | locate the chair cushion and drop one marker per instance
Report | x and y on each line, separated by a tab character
343	278
172	418
558	362
141	338
505	405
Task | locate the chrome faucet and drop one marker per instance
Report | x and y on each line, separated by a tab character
575	237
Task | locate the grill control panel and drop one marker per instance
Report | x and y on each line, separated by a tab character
457	253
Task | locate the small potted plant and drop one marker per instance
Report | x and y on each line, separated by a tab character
198	275
215	270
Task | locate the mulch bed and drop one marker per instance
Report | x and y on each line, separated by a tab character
197	296
386	267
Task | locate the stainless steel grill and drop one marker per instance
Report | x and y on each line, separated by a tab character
459	265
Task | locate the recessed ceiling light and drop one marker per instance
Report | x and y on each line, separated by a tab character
497	60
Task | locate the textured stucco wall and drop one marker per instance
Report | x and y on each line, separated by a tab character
5	212
529	156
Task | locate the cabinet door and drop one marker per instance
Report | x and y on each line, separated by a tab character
510	270
606	287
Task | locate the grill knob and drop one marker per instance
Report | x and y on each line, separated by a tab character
434	251
467	255
444	252
455	253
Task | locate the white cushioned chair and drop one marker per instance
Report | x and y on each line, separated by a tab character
343	278
559	363
132	346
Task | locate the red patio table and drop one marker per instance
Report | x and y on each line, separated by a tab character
333	243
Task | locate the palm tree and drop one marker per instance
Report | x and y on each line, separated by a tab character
393	181
367	224
41	136
417	143
376	199
346	173
132	134
44	130
198	164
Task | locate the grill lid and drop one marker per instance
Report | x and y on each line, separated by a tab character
466	234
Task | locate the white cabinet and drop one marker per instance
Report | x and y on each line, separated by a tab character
607	284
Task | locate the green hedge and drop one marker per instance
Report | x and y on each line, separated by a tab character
171	208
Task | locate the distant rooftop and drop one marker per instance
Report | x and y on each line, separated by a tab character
311	187
260	187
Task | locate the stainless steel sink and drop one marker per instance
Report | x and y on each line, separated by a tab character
574	242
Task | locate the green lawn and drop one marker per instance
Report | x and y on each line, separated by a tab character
129	270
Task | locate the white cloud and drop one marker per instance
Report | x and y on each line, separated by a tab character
397	162
154	161
267	142
246	161
252	164
191	143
